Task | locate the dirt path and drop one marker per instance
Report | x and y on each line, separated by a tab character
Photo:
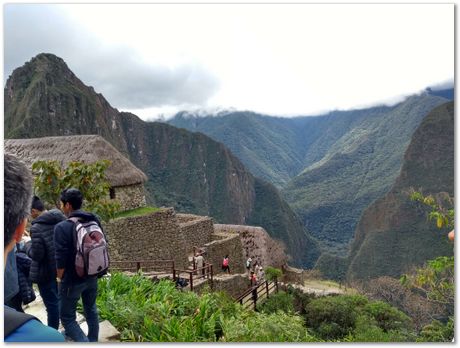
321	287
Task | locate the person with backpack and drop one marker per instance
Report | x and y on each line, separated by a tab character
81	257
225	265
41	251
19	327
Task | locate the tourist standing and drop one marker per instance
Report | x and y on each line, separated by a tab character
72	286
199	262
248	264
42	253
226	264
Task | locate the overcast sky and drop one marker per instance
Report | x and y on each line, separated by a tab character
283	60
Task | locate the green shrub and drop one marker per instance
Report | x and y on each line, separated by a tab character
272	273
281	301
437	332
260	327
387	317
334	317
300	298
367	330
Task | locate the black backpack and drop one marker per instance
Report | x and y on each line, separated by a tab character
14	319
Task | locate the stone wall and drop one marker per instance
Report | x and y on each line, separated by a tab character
155	236
234	285
299	275
131	196
293	275
196	230
225	244
257	244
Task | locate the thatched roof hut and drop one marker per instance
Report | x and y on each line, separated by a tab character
83	148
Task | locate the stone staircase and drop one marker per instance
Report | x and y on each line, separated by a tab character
107	333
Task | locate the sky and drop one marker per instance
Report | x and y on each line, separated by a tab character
274	59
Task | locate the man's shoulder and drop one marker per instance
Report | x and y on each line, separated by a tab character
34	331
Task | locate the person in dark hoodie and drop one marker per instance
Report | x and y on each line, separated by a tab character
72	287
42	252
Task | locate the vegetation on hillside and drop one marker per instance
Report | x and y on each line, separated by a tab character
393	234
330	167
273	214
146	311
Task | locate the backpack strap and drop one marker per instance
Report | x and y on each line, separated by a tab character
75	222
14	319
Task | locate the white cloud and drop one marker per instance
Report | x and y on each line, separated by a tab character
276	59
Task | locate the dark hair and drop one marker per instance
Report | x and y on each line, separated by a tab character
37	204
72	196
17	193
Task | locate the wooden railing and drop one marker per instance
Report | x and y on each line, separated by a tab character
205	272
167	266
257	292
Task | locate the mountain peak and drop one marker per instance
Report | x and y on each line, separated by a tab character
43	63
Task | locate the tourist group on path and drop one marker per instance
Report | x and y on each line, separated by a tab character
65	255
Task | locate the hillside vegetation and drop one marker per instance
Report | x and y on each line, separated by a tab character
146	311
393	234
330	167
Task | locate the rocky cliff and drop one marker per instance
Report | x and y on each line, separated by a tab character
188	171
393	234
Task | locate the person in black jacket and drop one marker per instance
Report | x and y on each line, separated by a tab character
72	286
26	291
42	253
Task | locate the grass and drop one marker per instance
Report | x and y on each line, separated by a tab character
136	212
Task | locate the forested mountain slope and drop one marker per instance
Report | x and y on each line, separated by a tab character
394	233
330	167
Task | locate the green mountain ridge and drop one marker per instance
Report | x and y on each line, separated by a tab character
329	167
393	234
188	171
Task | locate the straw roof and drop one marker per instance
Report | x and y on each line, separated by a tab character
83	148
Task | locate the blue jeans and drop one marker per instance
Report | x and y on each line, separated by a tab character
69	296
49	294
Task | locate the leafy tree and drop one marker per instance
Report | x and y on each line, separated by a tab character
441	207
333	317
436	279
51	179
410	301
